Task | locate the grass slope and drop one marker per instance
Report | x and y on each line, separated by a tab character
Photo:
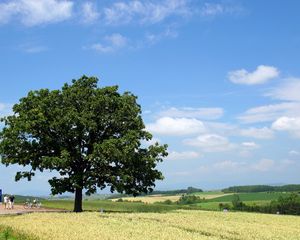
262	196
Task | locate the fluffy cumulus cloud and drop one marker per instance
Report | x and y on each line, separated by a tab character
289	124
288	90
210	143
144	12
260	133
261	75
176	126
185	155
32	12
268	113
186	112
111	43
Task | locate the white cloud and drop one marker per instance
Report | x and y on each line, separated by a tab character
112	43
288	90
89	12
32	48
212	9
215	9
271	112
144	12
186	112
176	126
263	165
260	133
220	128
250	145
287	162
210	143
228	165
261	75
7	10
153	38
294	153
289	124
33	12
35	49
185	155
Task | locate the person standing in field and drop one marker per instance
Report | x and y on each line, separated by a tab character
5	200
12	201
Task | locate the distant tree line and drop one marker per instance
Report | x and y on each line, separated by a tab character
283	205
189	190
262	188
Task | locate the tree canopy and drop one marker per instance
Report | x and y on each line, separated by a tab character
91	136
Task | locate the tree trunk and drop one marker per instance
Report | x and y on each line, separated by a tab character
78	200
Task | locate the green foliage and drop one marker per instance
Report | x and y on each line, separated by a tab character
288	205
223	206
189	199
7	233
237	203
189	190
262	188
91	136
284	205
168	202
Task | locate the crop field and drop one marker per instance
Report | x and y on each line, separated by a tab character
173	198
180	224
151	199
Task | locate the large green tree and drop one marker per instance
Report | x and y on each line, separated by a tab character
91	136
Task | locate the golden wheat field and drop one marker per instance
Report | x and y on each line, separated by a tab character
173	198
186	225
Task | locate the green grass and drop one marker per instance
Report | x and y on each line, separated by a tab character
7	233
209	204
207	193
263	196
110	206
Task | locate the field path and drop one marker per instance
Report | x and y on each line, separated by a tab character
19	209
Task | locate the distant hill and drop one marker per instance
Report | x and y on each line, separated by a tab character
262	188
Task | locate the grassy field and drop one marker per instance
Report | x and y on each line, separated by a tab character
7	233
110	206
173	198
146	205
212	199
263	196
196	225
151	199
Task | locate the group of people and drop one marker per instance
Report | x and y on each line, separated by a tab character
9	201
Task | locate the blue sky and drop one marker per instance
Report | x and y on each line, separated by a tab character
218	81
